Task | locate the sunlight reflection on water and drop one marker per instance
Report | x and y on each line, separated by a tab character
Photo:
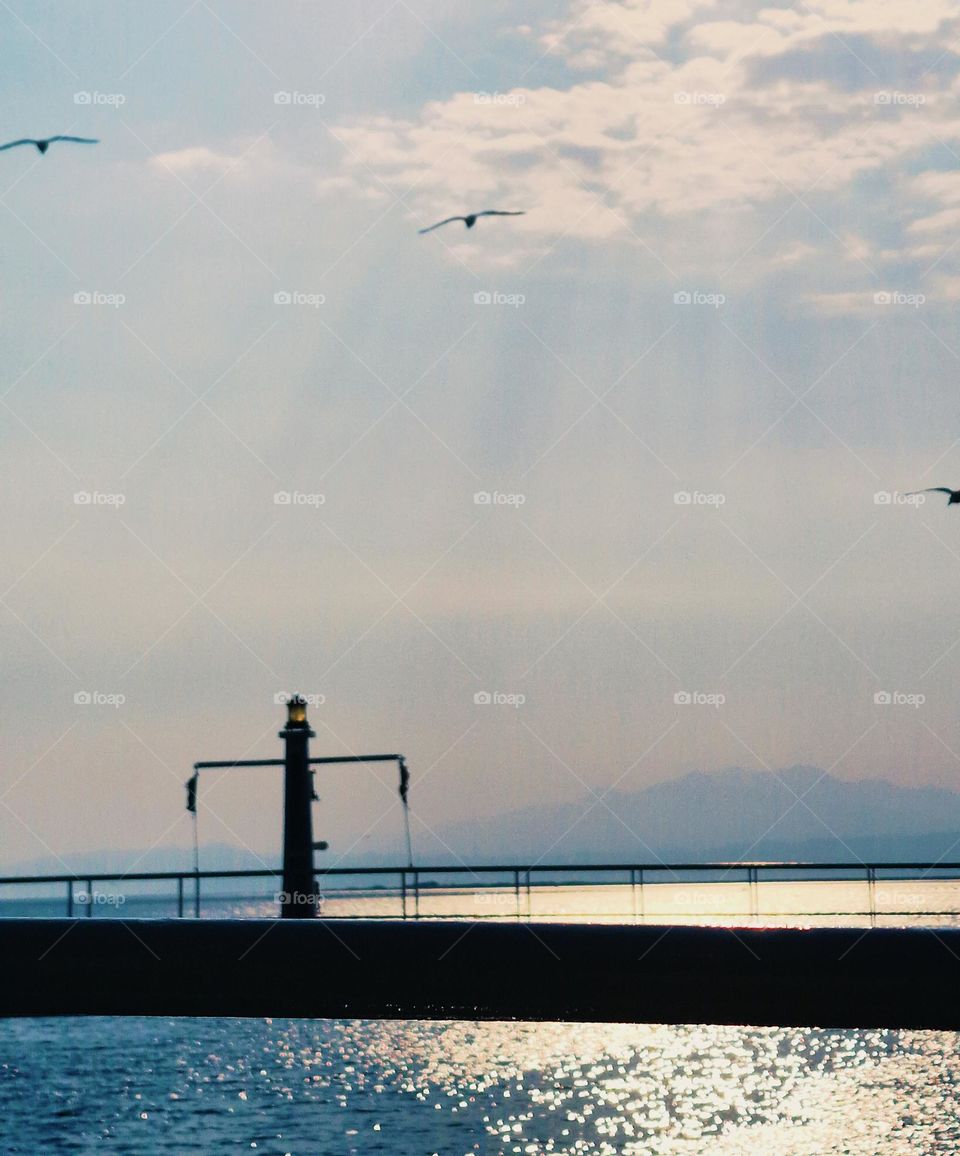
306	1087
925	902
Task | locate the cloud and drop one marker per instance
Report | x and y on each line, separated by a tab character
196	159
848	304
242	158
947	289
946	219
590	34
796	253
942	186
665	138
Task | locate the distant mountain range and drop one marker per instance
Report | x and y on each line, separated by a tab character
213	857
796	813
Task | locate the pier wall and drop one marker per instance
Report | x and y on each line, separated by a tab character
835	977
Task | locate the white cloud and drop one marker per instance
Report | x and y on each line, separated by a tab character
946	219
847	304
590	32
195	159
947	288
659	142
796	253
942	186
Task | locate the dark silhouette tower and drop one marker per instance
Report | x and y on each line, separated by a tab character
299	898
299	888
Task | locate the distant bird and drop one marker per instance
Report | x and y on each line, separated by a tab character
43	145
471	218
954	495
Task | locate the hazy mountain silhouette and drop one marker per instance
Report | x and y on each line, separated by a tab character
728	814
213	857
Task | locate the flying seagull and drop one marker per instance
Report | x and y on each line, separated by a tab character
471	218
43	145
954	495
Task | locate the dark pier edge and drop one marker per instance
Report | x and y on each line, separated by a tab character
836	977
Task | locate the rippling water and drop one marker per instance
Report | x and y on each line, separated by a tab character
318	1088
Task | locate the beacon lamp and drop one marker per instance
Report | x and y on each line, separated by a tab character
297	714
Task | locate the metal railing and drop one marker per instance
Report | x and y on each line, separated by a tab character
518	891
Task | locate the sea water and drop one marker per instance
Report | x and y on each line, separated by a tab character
321	1088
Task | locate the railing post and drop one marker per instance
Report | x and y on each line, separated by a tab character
180	897
516	890
416	895
196	896
403	894
633	892
69	899
529	897
872	894
89	898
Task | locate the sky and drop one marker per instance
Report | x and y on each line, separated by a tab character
588	498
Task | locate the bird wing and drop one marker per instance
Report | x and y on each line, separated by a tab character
76	139
932	490
439	223
13	144
502	213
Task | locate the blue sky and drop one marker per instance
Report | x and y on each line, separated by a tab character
736	279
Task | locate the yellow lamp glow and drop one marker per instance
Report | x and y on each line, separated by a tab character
297	712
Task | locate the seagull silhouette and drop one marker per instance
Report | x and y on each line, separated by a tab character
954	495
471	218
43	145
